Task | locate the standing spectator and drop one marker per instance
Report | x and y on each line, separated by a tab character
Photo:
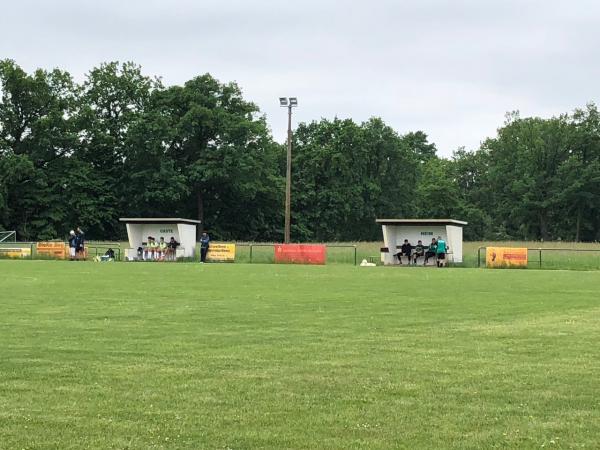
80	243
441	252
431	251
419	251
72	245
204	244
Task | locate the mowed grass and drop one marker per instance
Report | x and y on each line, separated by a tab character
239	356
555	255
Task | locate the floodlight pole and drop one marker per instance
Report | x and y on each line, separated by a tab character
288	178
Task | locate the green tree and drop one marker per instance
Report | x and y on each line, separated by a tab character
205	152
470	174
346	175
524	177
437	193
113	100
37	140
580	177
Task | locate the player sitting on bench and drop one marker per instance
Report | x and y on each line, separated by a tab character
431	251
405	250
419	251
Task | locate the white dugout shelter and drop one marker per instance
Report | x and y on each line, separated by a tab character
396	230
183	230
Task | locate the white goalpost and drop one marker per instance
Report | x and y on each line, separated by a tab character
8	236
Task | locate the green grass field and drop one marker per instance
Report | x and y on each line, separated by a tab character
556	255
570	255
240	356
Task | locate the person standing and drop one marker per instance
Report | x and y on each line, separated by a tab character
441	252
72	245
80	243
204	244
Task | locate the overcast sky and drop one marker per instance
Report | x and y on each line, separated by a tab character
449	68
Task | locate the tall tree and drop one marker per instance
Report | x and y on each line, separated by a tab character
208	154
525	159
580	176
37	140
114	98
346	175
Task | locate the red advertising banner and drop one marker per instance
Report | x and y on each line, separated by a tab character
300	253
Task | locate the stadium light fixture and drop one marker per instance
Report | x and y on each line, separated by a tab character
288	103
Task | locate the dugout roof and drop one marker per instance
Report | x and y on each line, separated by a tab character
421	222
158	220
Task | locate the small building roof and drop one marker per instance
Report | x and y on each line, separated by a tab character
421	222
158	220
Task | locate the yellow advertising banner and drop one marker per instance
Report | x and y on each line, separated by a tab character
505	257
221	253
53	249
15	252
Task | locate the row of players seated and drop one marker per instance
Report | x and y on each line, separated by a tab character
437	249
158	251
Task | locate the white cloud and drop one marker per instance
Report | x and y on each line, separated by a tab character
451	69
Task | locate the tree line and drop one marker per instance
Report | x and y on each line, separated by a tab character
121	144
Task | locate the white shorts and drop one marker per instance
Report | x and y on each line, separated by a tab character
72	252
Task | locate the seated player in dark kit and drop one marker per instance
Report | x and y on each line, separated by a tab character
405	250
172	249
431	251
419	251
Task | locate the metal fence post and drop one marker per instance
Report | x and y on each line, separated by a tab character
250	253
540	258
355	255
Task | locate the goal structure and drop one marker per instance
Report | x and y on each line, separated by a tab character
8	236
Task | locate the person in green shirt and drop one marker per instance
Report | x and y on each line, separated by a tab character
431	251
441	250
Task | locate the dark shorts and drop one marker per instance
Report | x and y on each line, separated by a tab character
441	256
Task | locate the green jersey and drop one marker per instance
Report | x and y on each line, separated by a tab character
441	246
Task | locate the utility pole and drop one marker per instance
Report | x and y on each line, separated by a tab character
289	104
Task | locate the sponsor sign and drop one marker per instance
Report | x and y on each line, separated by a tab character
52	249
506	257
221	253
300	253
15	252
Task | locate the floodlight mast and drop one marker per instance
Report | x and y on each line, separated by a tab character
288	103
